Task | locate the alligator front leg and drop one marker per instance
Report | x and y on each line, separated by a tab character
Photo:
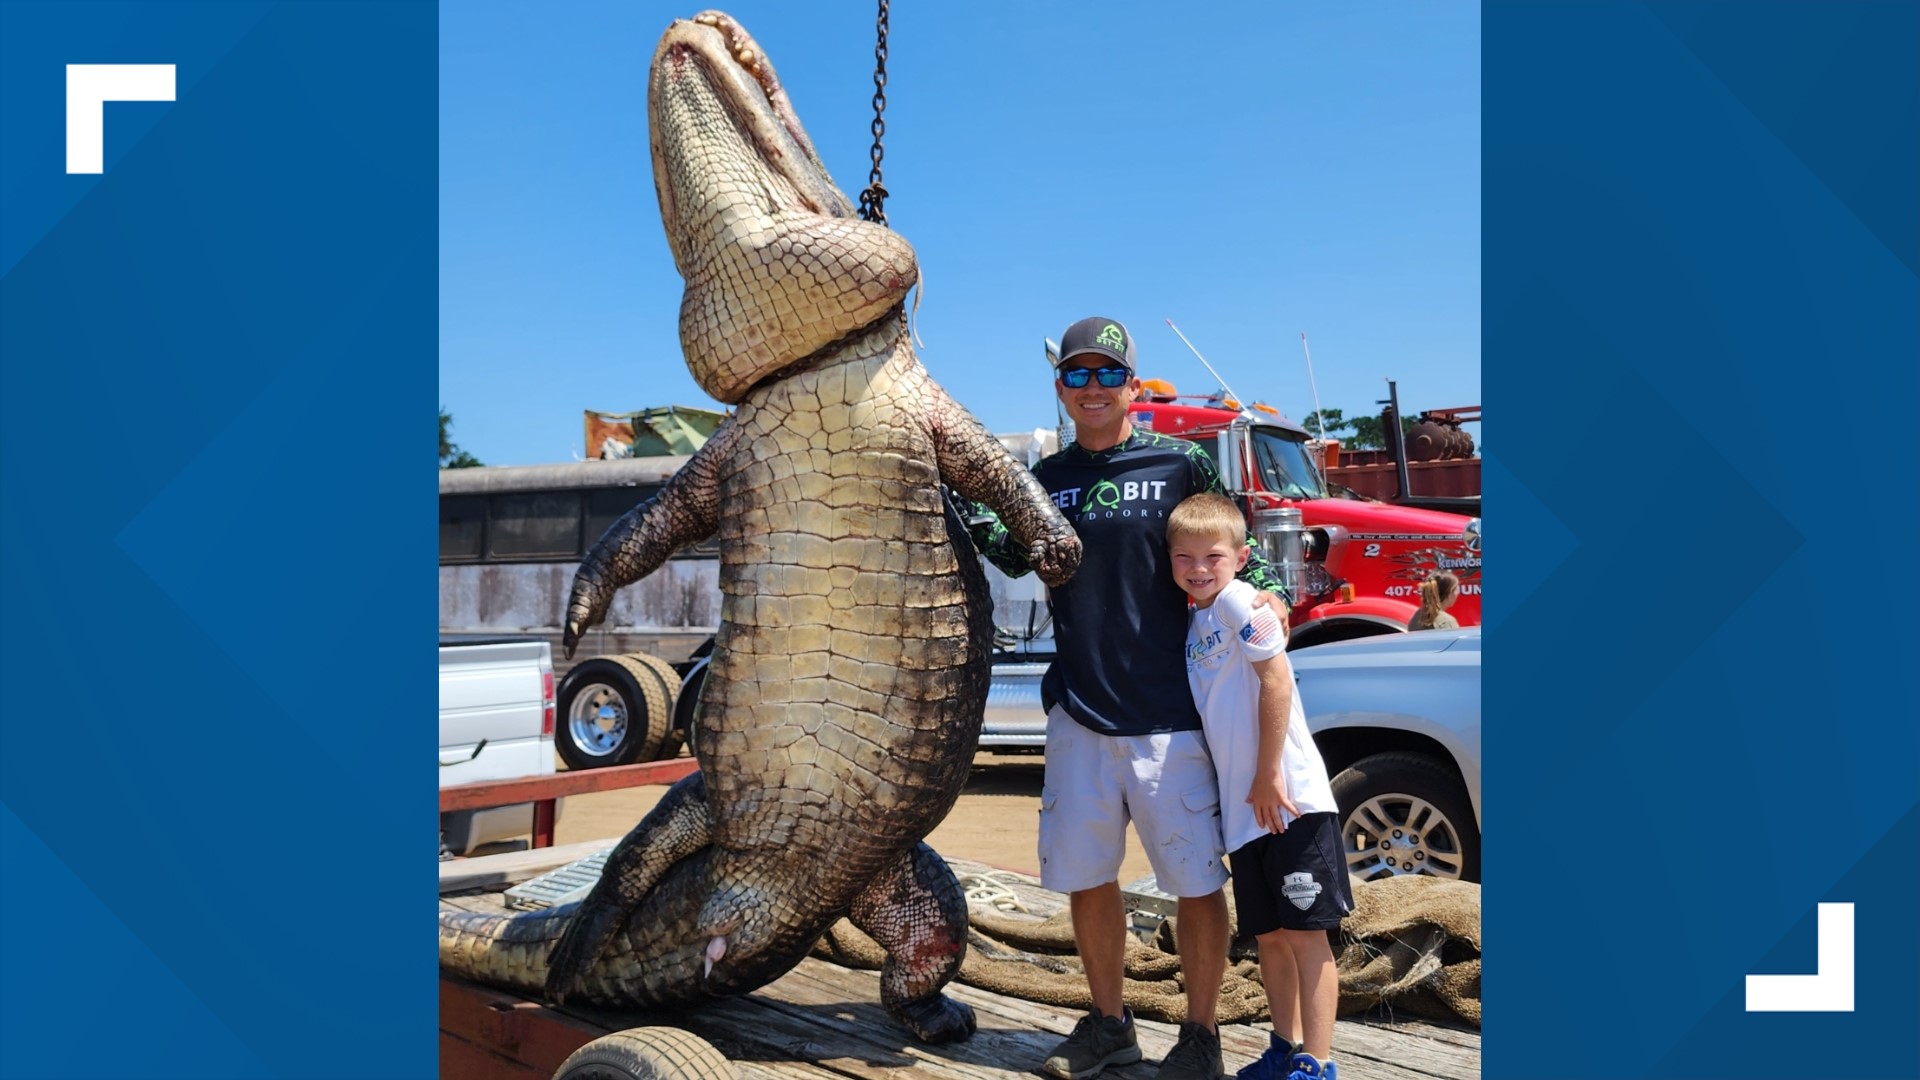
686	510
677	827
973	463
918	914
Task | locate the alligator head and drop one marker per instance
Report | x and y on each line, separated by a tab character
776	263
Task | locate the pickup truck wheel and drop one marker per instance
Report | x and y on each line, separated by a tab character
647	1053
1405	813
615	710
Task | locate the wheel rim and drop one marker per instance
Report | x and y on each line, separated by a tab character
1393	834
597	720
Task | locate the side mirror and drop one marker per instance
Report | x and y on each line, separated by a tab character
1230	452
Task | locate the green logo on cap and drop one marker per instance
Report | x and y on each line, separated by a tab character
1113	338
1105	493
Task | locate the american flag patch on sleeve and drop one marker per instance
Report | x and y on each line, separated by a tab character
1262	629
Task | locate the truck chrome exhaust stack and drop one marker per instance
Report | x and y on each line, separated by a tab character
1283	539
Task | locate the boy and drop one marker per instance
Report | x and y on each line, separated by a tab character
1276	803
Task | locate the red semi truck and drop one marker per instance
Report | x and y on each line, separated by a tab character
1354	564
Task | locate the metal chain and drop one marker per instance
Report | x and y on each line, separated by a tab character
871	199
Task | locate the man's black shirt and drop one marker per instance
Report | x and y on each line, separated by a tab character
1121	622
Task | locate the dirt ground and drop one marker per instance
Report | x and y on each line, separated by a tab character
996	821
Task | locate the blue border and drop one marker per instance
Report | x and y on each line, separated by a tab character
1701	322
1701	332
216	782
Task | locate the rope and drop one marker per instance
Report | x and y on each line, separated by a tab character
992	890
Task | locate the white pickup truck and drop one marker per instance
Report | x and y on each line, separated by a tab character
496	723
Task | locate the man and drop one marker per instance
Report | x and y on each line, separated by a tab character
1123	736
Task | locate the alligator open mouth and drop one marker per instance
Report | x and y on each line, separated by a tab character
715	105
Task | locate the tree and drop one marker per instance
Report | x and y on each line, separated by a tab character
1369	435
1335	421
451	456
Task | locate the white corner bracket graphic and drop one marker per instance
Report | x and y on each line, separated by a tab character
89	88
1830	989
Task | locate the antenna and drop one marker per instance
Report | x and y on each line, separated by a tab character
1203	361
1319	418
1064	429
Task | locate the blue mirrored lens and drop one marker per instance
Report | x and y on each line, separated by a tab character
1110	377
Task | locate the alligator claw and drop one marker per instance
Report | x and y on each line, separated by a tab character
936	1018
583	613
1056	558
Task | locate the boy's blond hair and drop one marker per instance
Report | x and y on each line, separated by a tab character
1207	515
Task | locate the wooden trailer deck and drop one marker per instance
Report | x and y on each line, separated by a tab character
822	1021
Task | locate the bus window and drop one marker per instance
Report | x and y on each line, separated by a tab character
461	518
605	506
542	523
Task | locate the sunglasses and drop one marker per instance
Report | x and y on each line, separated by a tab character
1110	377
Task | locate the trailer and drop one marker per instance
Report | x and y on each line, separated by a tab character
822	1020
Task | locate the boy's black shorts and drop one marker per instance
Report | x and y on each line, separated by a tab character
1295	880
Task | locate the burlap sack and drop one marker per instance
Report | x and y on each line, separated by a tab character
1411	943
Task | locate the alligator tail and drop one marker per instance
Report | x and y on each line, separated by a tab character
658	958
501	950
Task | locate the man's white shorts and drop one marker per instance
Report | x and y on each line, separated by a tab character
1095	783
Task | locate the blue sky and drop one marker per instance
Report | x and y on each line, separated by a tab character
1261	171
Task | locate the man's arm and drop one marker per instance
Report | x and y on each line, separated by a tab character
1260	574
992	537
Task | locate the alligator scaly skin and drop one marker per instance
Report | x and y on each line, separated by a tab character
842	706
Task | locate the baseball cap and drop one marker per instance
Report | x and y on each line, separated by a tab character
1107	337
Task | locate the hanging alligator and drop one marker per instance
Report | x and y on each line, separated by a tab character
843	703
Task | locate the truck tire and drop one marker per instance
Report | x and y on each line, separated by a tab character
1406	813
687	706
1323	632
647	1053
615	710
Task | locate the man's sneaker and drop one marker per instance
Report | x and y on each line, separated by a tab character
1195	1057
1307	1067
1275	1064
1097	1042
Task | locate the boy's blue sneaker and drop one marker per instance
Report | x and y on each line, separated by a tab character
1307	1067
1275	1064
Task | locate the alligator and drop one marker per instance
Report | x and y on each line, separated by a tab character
843	701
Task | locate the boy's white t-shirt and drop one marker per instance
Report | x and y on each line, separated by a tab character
1223	641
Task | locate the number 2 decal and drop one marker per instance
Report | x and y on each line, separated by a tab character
1372	552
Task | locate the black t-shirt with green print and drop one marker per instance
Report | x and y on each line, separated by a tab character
1121	622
